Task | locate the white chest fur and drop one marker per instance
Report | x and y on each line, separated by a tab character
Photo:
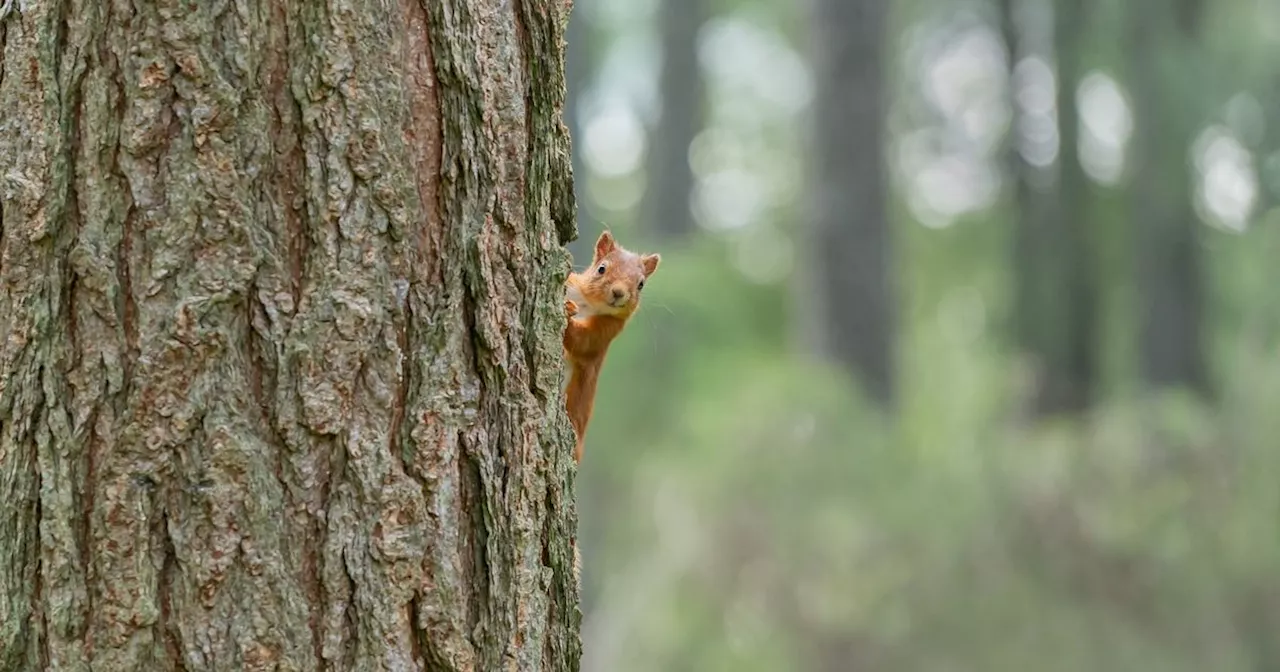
575	295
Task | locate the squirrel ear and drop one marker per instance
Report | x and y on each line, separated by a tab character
604	245
650	263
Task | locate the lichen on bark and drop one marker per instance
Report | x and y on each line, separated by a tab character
280	285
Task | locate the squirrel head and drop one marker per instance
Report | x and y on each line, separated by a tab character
613	284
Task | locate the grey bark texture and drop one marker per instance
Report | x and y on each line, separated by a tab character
281	298
854	280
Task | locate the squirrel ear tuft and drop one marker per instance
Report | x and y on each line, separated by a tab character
604	245
650	263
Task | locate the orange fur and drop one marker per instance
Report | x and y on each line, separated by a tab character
598	305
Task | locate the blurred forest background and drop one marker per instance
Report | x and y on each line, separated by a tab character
966	341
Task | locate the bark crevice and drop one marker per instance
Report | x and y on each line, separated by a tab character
281	387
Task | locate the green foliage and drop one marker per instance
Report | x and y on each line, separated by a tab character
742	508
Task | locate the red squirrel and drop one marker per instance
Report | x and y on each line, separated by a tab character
598	301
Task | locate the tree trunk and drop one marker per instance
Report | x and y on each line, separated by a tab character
579	70
1055	301
852	233
282	304
1170	282
1071	348
670	177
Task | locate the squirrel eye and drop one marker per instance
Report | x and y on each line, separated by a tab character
640	286
600	270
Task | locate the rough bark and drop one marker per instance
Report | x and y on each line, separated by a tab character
280	285
1169	257
851	227
1055	298
670	177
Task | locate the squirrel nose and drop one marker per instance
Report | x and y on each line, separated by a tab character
618	293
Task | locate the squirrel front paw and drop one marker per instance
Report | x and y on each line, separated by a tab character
570	308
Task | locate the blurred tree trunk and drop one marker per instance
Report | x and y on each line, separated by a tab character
666	209
1170	274
670	177
1055	299
1269	192
282	306
852	235
579	69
